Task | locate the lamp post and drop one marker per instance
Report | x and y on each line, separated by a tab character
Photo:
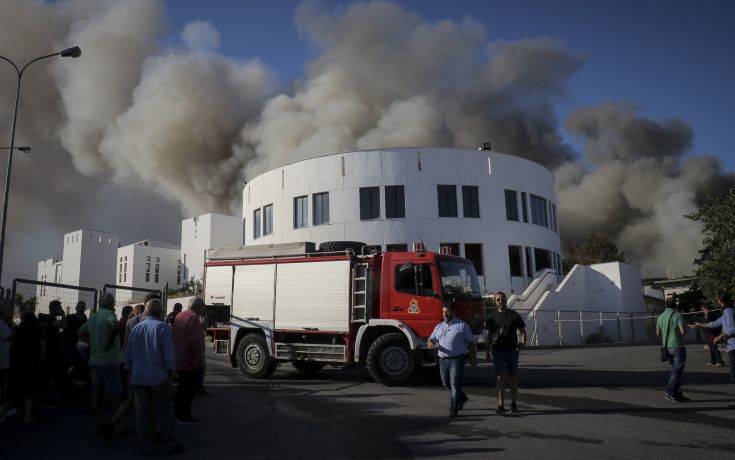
73	52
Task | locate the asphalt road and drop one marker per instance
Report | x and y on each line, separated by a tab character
590	402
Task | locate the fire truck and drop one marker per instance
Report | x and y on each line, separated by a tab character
341	304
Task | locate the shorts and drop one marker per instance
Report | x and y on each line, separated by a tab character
505	362
106	380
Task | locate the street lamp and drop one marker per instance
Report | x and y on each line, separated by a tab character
73	52
22	149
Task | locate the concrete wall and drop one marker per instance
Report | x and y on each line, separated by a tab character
198	234
419	171
89	258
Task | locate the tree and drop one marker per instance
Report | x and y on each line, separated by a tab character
716	271
597	248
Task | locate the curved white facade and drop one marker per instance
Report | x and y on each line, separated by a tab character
480	180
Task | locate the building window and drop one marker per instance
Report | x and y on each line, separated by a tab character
396	247
125	277
158	259
473	253
148	258
321	208
560	267
447	198
395	202
369	203
538	212
453	248
148	272
256	224
178	272
529	263
300	212
120	278
514	258
470	201
511	205
553	217
267	220
543	259
155	273
524	207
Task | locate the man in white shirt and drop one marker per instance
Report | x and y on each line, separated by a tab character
452	338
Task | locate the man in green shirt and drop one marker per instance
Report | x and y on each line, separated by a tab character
101	332
670	327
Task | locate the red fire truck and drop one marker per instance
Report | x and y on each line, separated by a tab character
341	304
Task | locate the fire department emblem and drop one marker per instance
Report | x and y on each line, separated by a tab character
413	307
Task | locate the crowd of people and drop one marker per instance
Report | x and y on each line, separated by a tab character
505	336
128	362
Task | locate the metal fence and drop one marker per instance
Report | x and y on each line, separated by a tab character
127	295
575	327
38	294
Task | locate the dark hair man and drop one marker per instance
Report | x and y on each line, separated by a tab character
452	338
502	328
189	345
708	316
670	327
727	323
52	363
172	316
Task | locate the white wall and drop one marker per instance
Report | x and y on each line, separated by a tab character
138	256
198	234
89	258
343	174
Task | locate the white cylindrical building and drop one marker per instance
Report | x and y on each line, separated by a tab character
497	210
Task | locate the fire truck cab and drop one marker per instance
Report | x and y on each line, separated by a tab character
339	305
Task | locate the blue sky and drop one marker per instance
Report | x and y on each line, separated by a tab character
673	58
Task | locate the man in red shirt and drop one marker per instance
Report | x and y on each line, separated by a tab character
189	347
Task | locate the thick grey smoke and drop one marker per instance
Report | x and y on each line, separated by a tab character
154	130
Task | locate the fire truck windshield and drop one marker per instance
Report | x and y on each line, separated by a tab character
459	280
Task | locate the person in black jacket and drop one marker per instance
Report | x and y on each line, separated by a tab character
25	362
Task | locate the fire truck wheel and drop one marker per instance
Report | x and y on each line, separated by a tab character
253	358
307	367
390	361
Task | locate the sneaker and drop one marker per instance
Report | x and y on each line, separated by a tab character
513	408
709	364
719	365
672	398
682	398
187	421
463	400
500	410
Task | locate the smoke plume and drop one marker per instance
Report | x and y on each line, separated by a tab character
135	134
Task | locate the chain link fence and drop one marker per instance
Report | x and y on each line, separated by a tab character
127	295
38	294
575	327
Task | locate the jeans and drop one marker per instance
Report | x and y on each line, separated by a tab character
153	403
188	387
677	358
106	380
715	357
452	371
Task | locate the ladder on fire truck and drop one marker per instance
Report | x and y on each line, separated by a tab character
360	292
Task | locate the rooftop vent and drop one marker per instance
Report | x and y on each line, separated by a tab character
485	146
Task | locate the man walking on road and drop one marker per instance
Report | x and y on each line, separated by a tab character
670	327
502	328
189	345
452	338
149	355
